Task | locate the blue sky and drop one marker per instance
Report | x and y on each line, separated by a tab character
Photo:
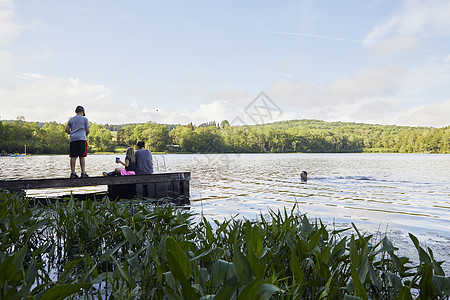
379	61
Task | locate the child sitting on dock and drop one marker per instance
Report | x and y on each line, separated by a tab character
130	165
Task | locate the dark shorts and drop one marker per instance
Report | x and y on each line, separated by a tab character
78	149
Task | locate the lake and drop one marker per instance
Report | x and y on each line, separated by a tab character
381	193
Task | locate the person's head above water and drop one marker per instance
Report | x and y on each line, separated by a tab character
304	176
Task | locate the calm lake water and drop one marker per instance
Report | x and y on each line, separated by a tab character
380	193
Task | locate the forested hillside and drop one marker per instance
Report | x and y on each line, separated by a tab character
312	136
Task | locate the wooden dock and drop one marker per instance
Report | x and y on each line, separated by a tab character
159	185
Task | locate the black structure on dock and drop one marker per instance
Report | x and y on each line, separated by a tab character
159	185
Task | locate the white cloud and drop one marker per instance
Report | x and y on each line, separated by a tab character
369	96
436	114
380	31
5	60
44	98
424	78
374	110
427	19
397	45
214	111
366	82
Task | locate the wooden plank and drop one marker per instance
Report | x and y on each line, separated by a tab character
92	181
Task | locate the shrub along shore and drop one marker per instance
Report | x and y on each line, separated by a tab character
116	250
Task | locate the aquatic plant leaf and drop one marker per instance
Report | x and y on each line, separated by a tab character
225	292
203	254
129	234
253	239
22	294
306	228
209	234
92	270
354	257
427	289
339	249
312	243
387	245
63	290
360	290
124	274
171	294
340	230
442	285
436	265
41	249
179	229
242	267
396	281
376	280
423	256
405	294
251	289
326	290
133	261
186	289
179	255
363	270
31	274
162	246
296	270
170	280
267	290
349	297
222	272
9	271
110	252
21	219
20	256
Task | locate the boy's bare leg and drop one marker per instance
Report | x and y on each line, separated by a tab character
73	160
83	164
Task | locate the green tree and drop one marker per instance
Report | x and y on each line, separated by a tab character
156	136
100	139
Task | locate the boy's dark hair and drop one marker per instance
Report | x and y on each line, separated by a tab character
141	144
80	109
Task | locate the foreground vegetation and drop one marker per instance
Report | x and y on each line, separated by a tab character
108	249
281	137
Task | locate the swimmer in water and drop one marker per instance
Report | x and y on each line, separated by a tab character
304	176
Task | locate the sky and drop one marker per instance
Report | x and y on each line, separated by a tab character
175	62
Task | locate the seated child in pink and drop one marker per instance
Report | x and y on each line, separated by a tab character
129	164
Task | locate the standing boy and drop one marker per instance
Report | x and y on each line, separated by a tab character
78	128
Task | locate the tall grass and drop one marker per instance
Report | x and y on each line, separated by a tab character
106	249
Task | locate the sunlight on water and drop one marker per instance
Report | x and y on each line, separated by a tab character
392	193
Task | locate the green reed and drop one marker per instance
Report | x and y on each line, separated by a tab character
108	249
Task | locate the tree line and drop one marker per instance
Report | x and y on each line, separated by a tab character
307	136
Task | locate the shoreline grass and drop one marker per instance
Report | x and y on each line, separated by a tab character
109	249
